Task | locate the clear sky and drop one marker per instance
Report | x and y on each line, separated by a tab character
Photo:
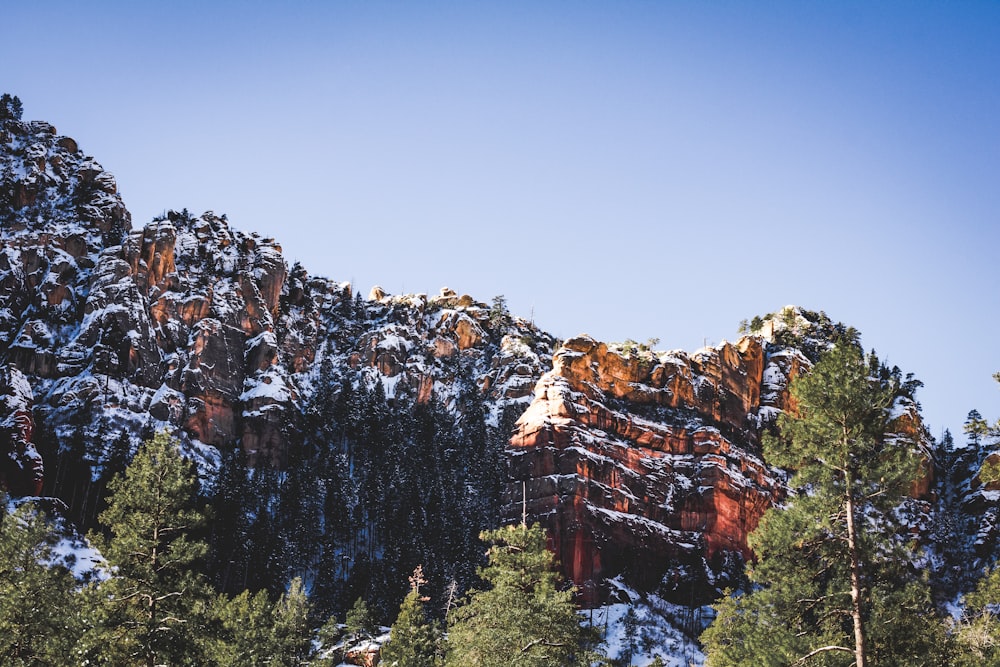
626	169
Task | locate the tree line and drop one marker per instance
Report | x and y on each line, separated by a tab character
365	516
153	604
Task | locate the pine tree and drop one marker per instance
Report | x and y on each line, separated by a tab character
831	580
242	631
10	107
524	618
248	631
359	622
229	536
414	641
976	428
977	637
148	612
38	607
630	626
290	633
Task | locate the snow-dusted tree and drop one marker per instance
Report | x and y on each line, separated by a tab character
148	612
831	581
359	623
240	630
291	636
526	617
10	107
38	608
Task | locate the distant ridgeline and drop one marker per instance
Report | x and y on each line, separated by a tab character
349	440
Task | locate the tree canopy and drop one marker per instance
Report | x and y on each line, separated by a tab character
833	580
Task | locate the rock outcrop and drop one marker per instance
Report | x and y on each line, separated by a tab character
648	464
641	464
21	468
191	325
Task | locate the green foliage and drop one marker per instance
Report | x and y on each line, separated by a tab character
242	630
38	609
149	612
836	533
359	621
523	618
248	631
977	636
414	640
976	428
499	315
291	636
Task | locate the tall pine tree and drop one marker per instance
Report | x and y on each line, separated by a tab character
148	612
525	617
38	607
414	641
831	580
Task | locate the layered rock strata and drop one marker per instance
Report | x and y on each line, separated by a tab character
647	464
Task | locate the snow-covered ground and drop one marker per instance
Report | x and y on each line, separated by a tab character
657	629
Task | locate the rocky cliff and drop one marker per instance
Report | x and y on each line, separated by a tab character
648	465
21	468
642	464
189	324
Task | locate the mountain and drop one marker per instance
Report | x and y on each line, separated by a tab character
397	426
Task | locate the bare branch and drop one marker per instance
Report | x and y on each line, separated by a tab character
824	649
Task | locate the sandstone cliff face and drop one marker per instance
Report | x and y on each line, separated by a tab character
641	464
647	464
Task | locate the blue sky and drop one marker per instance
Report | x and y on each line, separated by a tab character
626	169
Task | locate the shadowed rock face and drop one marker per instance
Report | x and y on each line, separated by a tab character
648	464
21	471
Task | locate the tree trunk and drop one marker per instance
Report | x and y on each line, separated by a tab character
860	651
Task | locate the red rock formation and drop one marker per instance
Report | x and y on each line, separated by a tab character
646	464
21	470
649	465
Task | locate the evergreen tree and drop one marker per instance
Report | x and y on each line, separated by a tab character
10	107
148	613
976	428
831	580
630	626
414	641
38	608
291	634
248	631
241	632
977	636
359	623
229	537
524	618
